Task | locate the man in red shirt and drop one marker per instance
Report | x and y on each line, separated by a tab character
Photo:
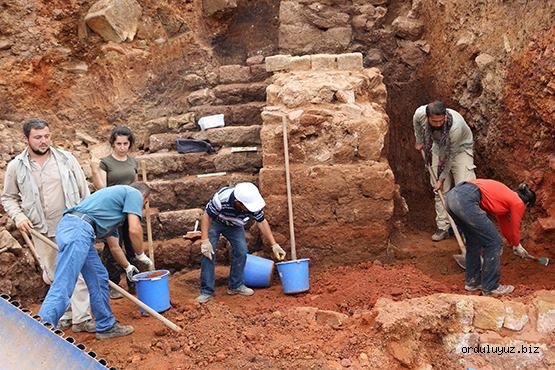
470	203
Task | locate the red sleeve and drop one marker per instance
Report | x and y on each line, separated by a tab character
510	224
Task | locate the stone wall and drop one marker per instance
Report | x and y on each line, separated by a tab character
342	186
473	329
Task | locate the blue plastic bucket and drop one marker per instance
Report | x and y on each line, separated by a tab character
294	276
153	289
258	272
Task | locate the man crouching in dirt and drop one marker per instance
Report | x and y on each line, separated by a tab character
95	217
227	214
470	203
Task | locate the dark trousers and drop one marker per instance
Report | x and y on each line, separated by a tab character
463	204
114	269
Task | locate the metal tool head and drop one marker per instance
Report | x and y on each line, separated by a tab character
543	260
461	260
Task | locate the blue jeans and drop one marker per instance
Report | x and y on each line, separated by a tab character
236	236
76	255
463	204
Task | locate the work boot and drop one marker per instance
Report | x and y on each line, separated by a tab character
117	330
114	294
203	298
63	324
241	290
440	235
88	326
472	288
501	290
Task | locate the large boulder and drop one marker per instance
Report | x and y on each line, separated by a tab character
114	20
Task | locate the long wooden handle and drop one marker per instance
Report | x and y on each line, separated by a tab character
32	247
288	185
148	222
462	247
145	307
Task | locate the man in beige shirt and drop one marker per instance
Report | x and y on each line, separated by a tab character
448	145
39	184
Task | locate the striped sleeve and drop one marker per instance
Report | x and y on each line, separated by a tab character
214	206
258	216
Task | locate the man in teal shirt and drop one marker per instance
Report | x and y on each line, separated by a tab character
95	217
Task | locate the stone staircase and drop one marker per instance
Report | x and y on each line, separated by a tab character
184	183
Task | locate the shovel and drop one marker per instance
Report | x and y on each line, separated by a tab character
459	258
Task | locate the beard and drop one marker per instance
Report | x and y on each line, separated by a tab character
38	151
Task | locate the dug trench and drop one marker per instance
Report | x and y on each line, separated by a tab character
362	315
334	325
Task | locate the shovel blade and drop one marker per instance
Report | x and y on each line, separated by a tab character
461	260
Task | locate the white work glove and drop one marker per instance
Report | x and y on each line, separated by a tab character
144	259
279	253
520	251
206	248
131	270
46	278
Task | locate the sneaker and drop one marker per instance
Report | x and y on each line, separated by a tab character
114	294
501	290
117	330
203	298
63	325
440	235
242	290
472	288
88	326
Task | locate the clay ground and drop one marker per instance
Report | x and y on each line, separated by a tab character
269	330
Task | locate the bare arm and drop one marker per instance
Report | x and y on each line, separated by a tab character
117	252
98	175
135	233
266	231
205	222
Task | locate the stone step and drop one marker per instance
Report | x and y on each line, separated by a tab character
234	73
219	137
240	93
234	115
175	165
192	191
171	224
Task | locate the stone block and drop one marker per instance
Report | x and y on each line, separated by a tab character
455	342
174	223
234	73
7	240
465	311
258	72
323	62
291	12
489	313
300	63
240	92
545	304
307	39
114	20
516	315
234	115
255	59
201	97
211	7
277	63
408	28
349	62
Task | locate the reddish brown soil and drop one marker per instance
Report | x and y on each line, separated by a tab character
269	330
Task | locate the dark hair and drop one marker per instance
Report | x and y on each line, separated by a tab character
526	194
142	187
121	131
436	108
33	123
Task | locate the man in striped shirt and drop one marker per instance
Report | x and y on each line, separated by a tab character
227	213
